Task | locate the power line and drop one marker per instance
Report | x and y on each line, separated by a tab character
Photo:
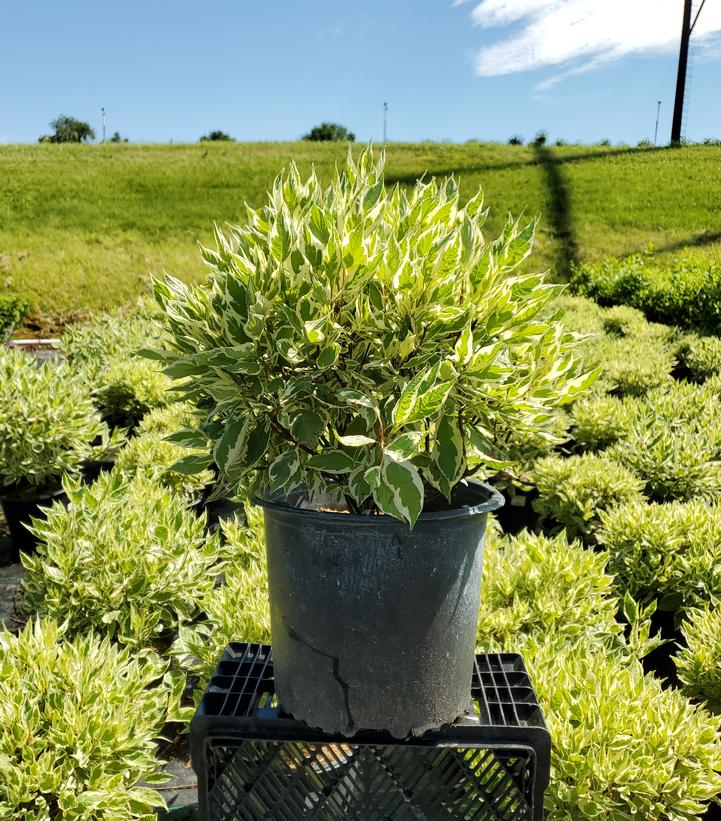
695	19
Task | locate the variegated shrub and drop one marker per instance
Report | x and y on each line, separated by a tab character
366	342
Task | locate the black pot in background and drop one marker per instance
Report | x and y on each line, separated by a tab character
373	624
21	506
92	469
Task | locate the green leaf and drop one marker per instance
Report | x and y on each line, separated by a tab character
284	471
375	296
318	226
358	486
399	492
231	445
328	356
405	446
189	438
356	441
448	451
192	464
463	350
307	427
256	444
372	195
332	461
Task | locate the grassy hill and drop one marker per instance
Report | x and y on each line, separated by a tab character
81	227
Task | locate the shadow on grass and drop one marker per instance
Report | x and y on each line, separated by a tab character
559	211
696	241
548	158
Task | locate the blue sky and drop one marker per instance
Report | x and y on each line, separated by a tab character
483	69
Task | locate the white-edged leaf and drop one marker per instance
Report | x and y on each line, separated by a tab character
408	399
284	470
356	441
191	464
405	446
231	444
448	452
332	461
400	491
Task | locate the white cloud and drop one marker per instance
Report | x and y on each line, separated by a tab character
580	35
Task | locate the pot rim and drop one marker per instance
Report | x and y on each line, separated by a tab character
494	500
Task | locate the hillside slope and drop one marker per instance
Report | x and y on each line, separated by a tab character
81	227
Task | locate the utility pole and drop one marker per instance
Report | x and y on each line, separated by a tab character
385	122
686	32
102	111
658	115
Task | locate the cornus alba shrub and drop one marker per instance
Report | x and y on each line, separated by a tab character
77	723
538	586
367	343
623	747
239	607
699	661
575	491
665	552
126	390
47	421
125	558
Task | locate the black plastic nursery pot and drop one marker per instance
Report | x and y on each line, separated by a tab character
373	624
20	507
92	468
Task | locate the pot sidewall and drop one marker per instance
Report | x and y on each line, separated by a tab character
373	624
20	508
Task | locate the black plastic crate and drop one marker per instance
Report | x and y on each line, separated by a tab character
254	762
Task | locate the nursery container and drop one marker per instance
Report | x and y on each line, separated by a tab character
20	507
92	468
374	624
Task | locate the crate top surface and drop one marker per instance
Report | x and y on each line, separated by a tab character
241	691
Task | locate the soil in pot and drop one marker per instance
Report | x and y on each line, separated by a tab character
20	506
373	624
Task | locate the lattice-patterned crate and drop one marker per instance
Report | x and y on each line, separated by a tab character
255	762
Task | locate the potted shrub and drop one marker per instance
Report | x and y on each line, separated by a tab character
126	389
47	425
359	353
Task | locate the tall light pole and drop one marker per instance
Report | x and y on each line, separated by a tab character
385	122
686	32
658	115
102	111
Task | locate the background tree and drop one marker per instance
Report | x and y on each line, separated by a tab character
117	138
330	132
68	130
516	139
215	136
540	139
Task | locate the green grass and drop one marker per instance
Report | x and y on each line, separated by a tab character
82	227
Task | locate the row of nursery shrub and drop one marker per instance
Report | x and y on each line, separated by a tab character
685	293
618	735
62	416
639	478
